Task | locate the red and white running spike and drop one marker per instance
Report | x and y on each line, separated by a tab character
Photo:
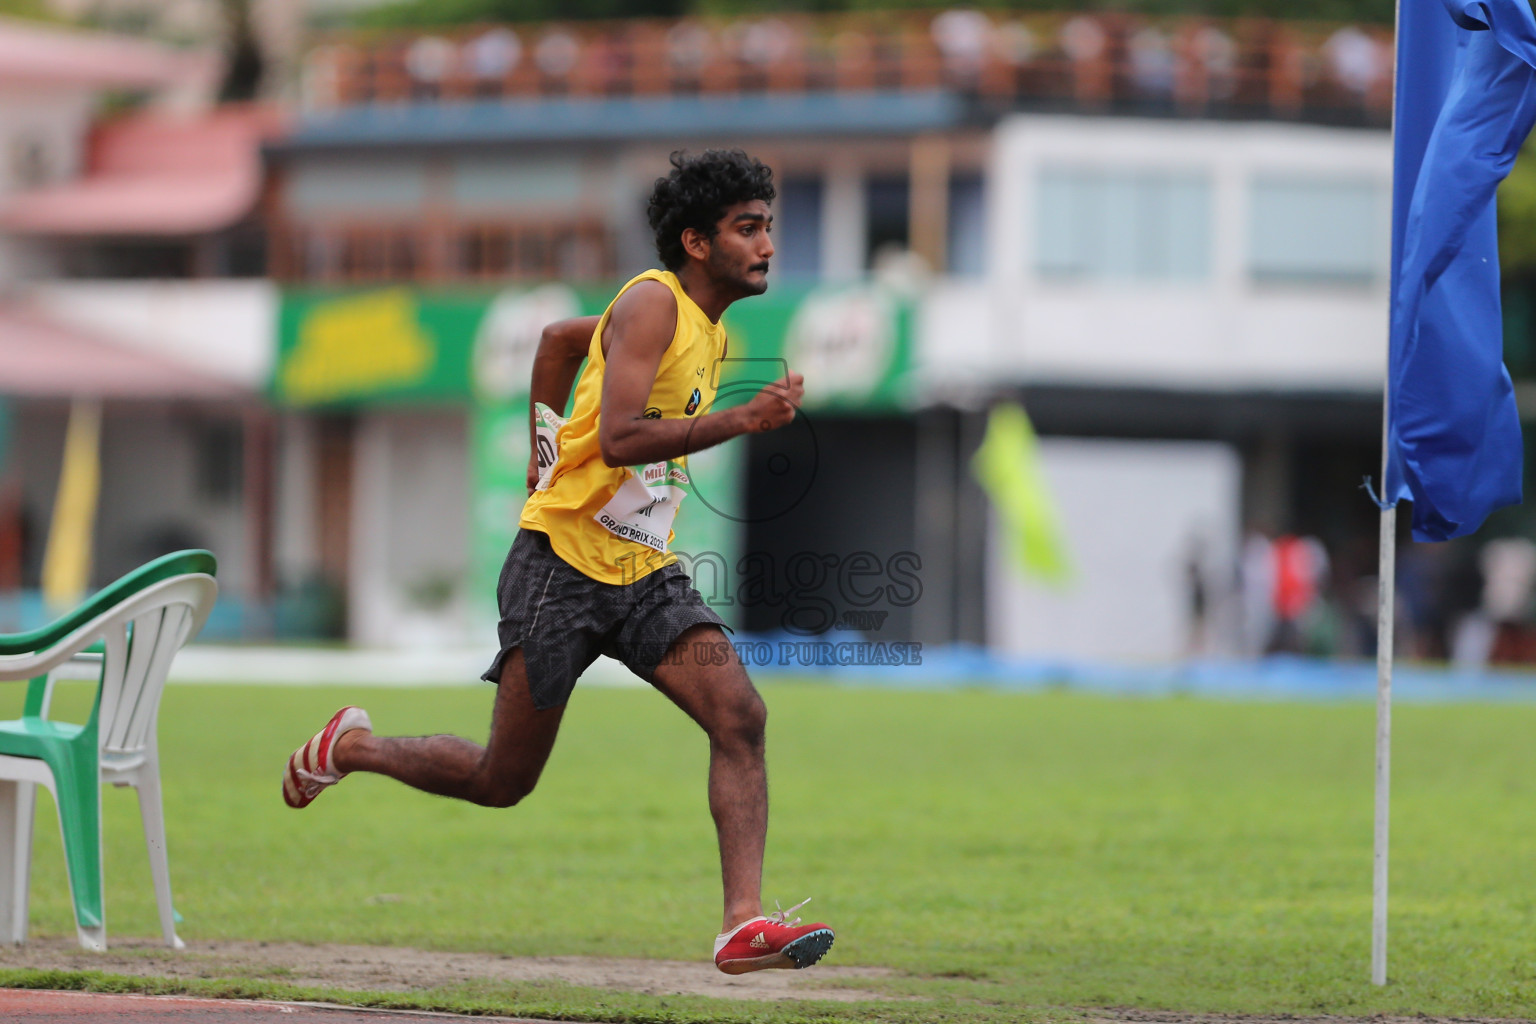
772	942
309	768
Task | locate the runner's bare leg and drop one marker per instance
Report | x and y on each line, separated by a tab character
724	702
498	774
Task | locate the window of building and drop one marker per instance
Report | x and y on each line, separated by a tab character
350	253
356	186
1318	230
887	215
219	462
380	254
967	226
489	183
242	252
1099	224
125	258
797	228
492	250
579	252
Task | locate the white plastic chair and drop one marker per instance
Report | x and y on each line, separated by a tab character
134	629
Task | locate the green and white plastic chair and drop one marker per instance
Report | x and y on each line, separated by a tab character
125	636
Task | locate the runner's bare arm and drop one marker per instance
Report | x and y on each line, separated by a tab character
562	347
637	336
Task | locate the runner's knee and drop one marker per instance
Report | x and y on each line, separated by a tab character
742	722
502	789
502	794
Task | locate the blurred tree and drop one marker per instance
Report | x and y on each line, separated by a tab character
30	10
1517	263
242	54
1517	217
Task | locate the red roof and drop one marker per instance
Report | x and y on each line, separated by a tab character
40	358
156	174
36	54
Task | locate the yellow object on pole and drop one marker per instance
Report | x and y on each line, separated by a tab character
1007	465
67	559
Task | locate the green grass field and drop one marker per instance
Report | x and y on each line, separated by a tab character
1008	855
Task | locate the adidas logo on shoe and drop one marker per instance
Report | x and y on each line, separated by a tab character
771	942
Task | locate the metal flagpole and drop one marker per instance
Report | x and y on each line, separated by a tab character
1386	599
1386	594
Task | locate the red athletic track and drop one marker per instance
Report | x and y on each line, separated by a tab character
95	1008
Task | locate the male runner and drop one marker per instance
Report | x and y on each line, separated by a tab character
589	572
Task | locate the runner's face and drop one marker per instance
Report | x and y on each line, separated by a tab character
742	246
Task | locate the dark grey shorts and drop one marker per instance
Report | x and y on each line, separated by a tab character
563	619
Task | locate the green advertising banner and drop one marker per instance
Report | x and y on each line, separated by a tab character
398	346
499	451
500	363
384	345
403	345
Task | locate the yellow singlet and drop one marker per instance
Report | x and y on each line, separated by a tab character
615	523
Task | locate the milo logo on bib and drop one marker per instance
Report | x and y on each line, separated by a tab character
643	507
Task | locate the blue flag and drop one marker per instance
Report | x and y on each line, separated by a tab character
1466	100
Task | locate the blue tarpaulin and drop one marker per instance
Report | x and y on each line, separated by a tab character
1466	100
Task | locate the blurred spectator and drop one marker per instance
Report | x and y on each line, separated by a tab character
962	36
557	53
1083	39
764	42
429	60
690	46
1420	600
1191	59
1459	590
1300	574
1015	43
1256	588
492	55
1494	631
1152	63
612	61
1354	59
1358	598
1197	594
1218	52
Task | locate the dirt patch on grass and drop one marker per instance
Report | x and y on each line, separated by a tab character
391	969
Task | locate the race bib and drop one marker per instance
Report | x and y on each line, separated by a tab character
645	504
546	424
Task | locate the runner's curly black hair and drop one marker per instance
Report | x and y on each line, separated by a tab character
698	192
